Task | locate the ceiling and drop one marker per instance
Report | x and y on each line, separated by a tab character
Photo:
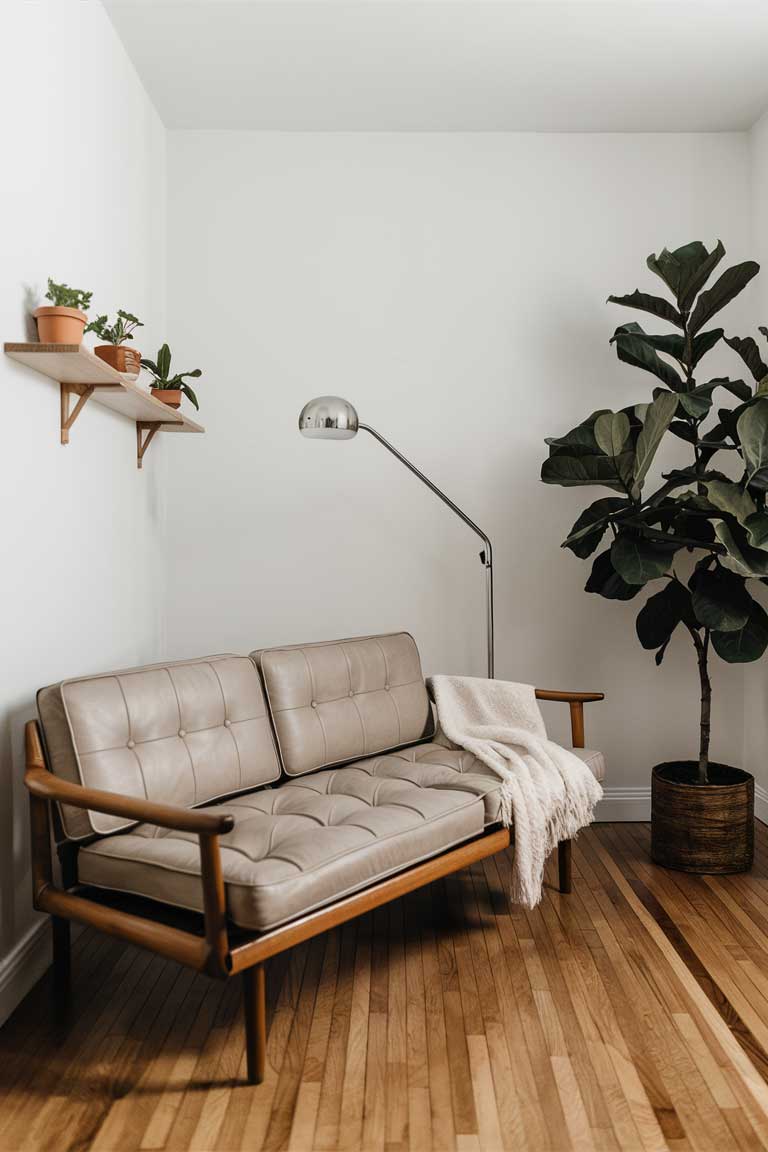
451	65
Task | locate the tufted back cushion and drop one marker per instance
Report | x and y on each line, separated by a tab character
186	733
345	699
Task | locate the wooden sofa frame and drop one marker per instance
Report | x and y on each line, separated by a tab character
212	952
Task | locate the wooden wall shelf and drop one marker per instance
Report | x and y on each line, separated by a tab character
79	373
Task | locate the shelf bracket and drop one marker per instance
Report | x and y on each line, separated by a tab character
66	391
143	441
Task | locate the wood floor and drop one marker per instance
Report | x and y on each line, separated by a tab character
632	1014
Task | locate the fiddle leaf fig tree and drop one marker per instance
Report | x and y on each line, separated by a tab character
713	510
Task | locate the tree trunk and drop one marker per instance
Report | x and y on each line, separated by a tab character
702	652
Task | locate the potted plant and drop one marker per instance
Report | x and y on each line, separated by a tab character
702	533
64	320
169	388
122	359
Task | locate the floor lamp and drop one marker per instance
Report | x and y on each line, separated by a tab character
331	418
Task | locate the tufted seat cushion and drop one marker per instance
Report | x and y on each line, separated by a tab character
295	847
434	766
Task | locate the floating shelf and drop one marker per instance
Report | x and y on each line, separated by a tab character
82	374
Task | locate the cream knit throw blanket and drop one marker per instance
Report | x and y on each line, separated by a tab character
547	793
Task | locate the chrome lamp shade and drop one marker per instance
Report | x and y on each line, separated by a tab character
328	418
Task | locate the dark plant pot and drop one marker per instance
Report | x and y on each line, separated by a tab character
705	828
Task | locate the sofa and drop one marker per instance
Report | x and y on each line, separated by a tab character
220	810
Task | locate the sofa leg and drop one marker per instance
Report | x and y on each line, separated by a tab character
564	865
61	963
255	1007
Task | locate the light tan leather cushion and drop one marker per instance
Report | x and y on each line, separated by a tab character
184	733
293	848
433	766
336	702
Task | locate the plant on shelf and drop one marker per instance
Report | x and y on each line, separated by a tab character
169	388
127	360
702	532
63	321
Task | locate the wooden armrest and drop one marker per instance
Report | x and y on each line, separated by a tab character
44	784
568	697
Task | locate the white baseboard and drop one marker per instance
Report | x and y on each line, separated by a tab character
635	804
23	966
625	804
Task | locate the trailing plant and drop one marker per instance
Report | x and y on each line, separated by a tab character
161	370
117	333
719	517
62	296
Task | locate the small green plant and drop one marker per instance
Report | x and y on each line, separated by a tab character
117	333
161	370
62	296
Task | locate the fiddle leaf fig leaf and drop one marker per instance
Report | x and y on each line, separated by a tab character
590	527
720	600
747	643
605	580
661	614
750	353
752	429
740	557
574	471
638	560
657	420
732	281
612	432
756	527
656	305
729	497
632	348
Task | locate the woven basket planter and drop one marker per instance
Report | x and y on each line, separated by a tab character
704	828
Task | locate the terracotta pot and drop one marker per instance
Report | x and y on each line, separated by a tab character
704	828
60	325
122	359
169	396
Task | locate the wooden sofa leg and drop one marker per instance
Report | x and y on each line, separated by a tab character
255	1007
564	865
61	963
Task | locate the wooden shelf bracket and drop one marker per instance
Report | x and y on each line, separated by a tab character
148	427
83	392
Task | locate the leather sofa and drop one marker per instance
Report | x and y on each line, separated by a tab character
220	810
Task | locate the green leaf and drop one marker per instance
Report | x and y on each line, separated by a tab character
750	353
729	497
752	429
740	557
747	643
720	599
574	471
656	305
756	527
611	432
703	343
605	580
590	527
633	349
164	362
638	560
732	281
698	401
661	614
188	392
686	270
657	420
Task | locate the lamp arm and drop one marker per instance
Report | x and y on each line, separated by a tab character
486	556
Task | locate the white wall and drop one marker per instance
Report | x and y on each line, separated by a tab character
83	200
453	287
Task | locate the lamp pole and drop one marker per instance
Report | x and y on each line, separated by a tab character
486	554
